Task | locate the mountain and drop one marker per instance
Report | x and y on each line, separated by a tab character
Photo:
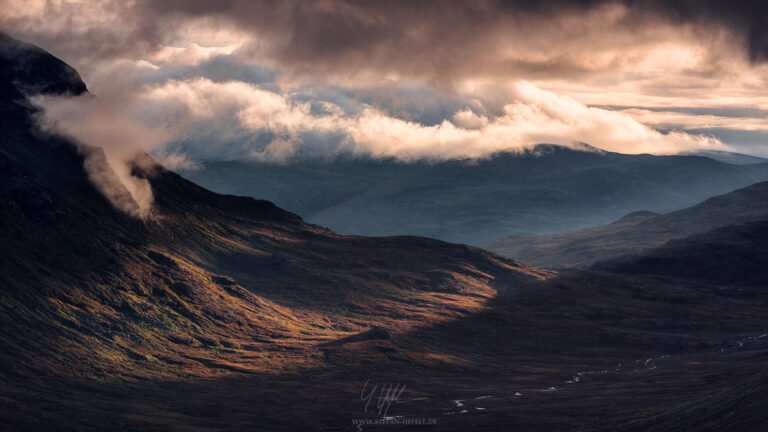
728	157
208	284
736	252
544	190
635	232
29	69
203	274
217	312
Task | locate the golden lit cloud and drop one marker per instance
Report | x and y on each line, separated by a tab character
610	73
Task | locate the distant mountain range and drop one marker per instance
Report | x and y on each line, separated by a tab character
544	190
728	157
636	232
727	254
227	313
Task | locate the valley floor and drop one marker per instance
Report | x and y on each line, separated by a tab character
648	357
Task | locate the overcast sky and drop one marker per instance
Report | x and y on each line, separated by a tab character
277	80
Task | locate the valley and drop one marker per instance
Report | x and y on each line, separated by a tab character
542	190
220	312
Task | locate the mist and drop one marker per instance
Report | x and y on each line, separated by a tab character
107	123
181	121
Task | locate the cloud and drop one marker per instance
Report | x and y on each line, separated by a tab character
194	80
343	40
399	39
600	52
665	119
175	161
180	121
112	124
272	126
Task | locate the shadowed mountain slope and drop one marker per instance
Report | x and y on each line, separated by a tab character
635	232
731	254
32	70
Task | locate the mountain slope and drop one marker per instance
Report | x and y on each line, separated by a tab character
544	190
228	313
736	253
205	280
728	157
30	69
635	232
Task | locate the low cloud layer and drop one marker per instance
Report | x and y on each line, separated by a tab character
241	120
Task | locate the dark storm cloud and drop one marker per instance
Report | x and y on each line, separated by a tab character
397	39
218	69
428	37
745	18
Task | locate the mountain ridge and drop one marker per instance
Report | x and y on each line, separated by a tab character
543	190
632	235
179	291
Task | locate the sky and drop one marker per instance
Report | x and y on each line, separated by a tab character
194	80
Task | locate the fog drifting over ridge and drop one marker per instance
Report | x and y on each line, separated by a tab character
276	81
233	119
